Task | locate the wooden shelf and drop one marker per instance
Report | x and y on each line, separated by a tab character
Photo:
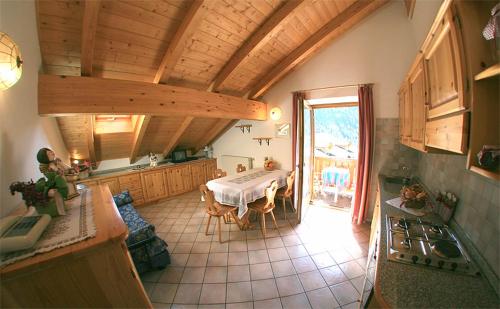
485	173
494	70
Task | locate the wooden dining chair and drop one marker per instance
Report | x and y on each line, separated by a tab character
215	209
240	168
219	173
265	205
287	192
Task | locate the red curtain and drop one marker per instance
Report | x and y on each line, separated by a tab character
360	206
297	98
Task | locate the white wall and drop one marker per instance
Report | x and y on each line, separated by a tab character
22	131
380	50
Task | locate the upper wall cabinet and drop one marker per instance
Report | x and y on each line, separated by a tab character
435	102
444	69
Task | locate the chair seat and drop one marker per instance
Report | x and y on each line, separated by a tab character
224	210
259	205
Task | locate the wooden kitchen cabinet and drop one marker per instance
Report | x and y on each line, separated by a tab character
113	184
198	174
179	179
444	67
133	184
154	185
404	115
416	87
210	167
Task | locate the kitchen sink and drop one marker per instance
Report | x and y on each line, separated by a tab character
393	184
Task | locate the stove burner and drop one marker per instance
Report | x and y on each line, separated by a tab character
445	249
406	243
435	229
402	223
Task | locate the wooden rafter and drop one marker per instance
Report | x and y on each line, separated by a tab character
140	129
186	29
90	139
89	27
212	133
258	38
59	95
338	25
174	140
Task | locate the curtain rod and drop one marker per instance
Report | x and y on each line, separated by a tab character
333	87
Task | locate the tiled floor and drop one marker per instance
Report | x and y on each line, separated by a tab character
317	264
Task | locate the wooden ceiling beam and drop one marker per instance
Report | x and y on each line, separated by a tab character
263	34
174	141
186	29
90	139
60	95
335	27
212	133
89	27
140	129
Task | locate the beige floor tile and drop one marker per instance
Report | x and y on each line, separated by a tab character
298	301
354	305
289	285
213	293
291	240
172	237
172	274
188	293
254	234
333	275
296	251
183	247
303	264
176	228
164	293
283	268
238	273
274	303
193	275
345	293
256	244
322	299
178	259
201	237
187	237
217	259
212	306
264	289
246	305
351	269
312	280
217	247
197	260
277	254
314	248
274	242
239	292
358	283
258	256
323	260
340	255
161	305
261	271
152	276
238	246
201	247
215	275
237	258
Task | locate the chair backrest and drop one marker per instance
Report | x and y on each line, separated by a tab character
270	193
240	168
218	173
211	206
290	180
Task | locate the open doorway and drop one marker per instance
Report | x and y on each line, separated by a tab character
333	153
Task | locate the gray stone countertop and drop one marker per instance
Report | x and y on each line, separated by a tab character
414	286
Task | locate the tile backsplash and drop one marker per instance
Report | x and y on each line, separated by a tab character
478	210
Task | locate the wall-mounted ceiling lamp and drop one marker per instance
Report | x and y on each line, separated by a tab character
10	62
275	113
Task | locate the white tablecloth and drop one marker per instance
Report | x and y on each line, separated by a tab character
243	188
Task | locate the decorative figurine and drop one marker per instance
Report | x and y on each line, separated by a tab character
153	159
50	163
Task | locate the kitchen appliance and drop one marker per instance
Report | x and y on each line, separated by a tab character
415	241
179	156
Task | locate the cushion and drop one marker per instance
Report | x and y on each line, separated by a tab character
138	228
123	198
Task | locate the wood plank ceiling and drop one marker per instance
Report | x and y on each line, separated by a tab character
235	47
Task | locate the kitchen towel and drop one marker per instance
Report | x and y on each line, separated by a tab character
396	202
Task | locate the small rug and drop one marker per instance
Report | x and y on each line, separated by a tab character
76	225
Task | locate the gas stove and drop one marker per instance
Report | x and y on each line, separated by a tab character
414	241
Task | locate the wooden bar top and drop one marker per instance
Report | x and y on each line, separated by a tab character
109	228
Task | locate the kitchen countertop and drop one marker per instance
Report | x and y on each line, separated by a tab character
413	286
129	170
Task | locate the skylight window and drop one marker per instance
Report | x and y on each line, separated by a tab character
114	124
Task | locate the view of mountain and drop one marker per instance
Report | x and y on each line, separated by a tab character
337	126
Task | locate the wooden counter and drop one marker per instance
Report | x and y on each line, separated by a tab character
97	272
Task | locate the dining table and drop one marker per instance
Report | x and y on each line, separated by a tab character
243	188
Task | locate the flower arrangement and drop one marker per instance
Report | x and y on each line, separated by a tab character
413	196
268	164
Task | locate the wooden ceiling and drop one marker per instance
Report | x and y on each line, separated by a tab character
235	47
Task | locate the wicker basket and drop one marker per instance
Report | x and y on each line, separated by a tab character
413	196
